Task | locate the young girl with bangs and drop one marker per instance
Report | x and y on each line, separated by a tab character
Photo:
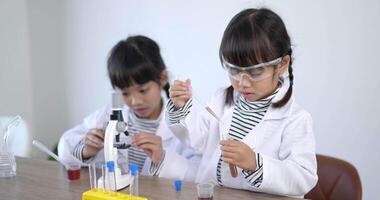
136	68
262	132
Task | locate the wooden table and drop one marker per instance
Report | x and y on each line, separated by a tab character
40	179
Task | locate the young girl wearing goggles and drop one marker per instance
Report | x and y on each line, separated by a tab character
271	140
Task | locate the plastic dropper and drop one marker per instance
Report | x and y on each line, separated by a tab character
233	168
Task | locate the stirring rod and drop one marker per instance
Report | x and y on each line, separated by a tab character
44	149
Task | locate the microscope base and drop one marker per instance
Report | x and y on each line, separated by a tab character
122	181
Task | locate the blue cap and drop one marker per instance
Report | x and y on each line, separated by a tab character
111	166
178	185
133	167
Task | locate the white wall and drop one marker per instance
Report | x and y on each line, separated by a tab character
47	48
16	96
336	67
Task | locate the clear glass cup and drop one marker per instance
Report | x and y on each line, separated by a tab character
205	191
73	171
7	165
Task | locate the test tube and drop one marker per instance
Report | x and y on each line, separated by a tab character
92	174
233	170
111	175
134	186
104	170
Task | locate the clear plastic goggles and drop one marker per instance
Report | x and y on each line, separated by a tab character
256	72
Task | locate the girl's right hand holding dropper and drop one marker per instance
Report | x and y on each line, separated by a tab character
180	92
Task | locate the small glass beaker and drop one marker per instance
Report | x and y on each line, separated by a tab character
73	171
205	191
7	164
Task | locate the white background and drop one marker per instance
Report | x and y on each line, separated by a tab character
53	55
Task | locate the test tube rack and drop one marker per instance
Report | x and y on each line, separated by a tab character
100	194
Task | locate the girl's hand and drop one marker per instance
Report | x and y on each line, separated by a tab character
93	142
239	154
151	144
180	92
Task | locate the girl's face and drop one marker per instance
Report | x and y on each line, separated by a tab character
145	100
256	90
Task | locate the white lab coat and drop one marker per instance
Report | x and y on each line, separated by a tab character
179	163
284	139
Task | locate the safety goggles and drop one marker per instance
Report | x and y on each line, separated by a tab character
256	72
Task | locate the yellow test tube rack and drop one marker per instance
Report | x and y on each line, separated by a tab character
100	194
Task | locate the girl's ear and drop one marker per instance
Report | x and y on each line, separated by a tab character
164	77
284	65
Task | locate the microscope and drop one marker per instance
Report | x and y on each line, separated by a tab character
114	128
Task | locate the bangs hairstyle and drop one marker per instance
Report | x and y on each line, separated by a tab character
256	36
136	60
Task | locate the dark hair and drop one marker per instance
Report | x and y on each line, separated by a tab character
136	60
255	36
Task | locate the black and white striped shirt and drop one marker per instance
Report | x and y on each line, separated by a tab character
136	155
177	114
